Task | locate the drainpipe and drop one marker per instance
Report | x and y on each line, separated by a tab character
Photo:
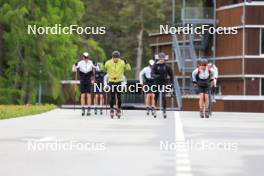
243	47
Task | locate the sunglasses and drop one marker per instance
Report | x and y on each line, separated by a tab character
203	64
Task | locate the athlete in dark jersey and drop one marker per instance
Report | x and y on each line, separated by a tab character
160	72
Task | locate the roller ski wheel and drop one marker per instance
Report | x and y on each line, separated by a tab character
154	113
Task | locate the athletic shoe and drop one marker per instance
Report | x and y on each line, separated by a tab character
95	111
83	111
101	112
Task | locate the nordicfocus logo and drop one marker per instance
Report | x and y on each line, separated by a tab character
58	29
200	145
134	88
198	30
54	144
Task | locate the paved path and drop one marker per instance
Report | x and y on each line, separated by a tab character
62	143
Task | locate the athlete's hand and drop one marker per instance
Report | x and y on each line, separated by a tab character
195	85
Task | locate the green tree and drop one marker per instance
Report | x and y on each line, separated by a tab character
37	59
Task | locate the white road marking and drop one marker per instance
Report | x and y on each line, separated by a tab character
182	162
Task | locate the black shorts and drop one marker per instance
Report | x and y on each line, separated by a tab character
203	89
149	84
86	87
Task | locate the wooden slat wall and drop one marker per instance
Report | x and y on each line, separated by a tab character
226	105
254	66
244	106
160	39
229	67
255	15
229	45
252	41
230	17
252	86
231	86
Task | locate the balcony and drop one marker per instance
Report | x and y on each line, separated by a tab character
198	15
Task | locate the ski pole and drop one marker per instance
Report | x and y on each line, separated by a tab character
75	87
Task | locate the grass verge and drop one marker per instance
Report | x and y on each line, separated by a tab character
11	111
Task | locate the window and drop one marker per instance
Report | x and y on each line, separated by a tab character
262	41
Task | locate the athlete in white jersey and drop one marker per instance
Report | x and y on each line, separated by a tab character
146	79
86	69
202	77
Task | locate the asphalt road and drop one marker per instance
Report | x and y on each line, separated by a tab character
63	143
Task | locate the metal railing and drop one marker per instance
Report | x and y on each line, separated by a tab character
202	15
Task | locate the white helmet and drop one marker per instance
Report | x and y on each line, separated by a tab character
85	54
151	62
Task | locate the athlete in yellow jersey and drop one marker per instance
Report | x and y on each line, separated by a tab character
115	69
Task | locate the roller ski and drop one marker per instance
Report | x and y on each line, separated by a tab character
201	113
154	113
88	112
206	113
118	113
164	114
95	111
83	111
148	110
112	113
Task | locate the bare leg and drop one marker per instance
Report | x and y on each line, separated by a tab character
83	103
201	104
147	103
83	99
89	101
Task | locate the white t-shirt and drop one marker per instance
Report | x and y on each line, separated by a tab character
145	72
85	67
203	74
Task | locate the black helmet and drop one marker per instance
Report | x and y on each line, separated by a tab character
162	55
116	54
204	61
